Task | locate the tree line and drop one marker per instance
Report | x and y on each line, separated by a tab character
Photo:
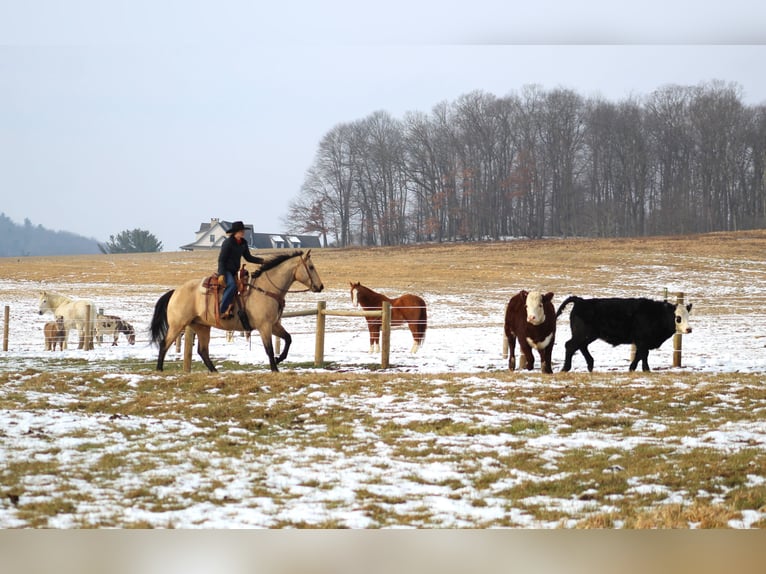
31	240
28	239
683	159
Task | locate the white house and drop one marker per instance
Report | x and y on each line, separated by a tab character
211	235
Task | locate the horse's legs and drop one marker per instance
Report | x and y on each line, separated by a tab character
268	346
374	329
203	345
173	334
374	337
417	336
81	339
280	332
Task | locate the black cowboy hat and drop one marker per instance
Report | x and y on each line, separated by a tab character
236	226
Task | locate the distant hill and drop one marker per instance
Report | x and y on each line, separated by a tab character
28	239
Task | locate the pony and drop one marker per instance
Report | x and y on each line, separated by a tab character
54	334
112	325
407	309
74	312
191	304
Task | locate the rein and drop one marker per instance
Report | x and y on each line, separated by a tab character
280	297
283	291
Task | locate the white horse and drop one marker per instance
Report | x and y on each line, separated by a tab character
74	312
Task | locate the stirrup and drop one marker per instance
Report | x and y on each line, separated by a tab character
229	313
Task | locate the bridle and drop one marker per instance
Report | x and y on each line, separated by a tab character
280	298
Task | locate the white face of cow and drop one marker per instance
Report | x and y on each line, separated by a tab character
534	306
682	319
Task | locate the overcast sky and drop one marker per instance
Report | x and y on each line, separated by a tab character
160	115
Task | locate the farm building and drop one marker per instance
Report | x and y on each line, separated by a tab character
212	234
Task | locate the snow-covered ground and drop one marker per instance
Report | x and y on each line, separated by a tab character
464	335
465	332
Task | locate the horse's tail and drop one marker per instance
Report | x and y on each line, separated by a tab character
567	301
159	325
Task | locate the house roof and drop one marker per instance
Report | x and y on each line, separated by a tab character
254	240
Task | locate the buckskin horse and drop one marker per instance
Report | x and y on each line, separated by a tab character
407	309
192	304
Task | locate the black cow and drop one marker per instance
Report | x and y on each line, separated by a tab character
641	322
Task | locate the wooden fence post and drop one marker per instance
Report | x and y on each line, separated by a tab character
385	335
677	337
319	342
5	327
188	346
87	343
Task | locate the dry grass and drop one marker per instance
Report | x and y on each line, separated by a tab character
585	488
557	264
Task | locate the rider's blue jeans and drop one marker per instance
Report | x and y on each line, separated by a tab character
229	291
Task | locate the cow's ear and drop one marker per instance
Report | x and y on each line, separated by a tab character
689	307
548	296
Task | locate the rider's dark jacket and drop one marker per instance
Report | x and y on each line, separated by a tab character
231	254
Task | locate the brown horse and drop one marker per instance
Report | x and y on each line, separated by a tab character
408	309
193	305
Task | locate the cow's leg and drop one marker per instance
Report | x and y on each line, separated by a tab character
526	358
587	355
571	347
511	353
642	354
545	358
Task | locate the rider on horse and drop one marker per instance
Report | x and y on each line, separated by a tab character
233	249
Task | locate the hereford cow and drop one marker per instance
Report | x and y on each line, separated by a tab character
54	334
641	322
530	318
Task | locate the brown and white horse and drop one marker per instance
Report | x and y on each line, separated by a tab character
113	326
191	304
408	309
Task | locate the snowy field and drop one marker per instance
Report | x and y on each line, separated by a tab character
729	336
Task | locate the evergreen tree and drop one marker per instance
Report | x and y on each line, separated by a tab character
131	241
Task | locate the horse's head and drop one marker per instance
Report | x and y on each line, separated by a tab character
128	330
354	293
44	304
307	274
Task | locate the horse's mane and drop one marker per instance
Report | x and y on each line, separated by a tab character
367	292
274	262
